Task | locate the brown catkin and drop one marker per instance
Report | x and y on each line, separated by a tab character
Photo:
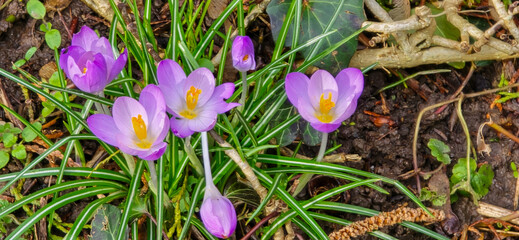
387	219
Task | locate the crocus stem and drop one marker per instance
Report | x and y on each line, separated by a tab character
303	180
244	92
207	163
153	175
100	107
192	156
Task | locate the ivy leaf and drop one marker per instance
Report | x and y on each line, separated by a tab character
106	223
439	150
316	15
311	136
288	135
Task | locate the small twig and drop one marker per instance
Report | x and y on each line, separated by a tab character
259	224
460	88
155	221
504	132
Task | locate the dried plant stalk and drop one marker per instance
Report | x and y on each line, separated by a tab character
387	219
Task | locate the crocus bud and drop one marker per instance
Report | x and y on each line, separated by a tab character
243	54
217	213
89	61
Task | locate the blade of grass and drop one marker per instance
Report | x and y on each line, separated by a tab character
78	172
57	203
87	213
132	191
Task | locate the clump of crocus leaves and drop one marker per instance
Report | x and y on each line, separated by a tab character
139	127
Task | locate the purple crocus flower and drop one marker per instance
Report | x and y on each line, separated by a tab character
325	101
243	54
194	101
89	61
217	213
137	127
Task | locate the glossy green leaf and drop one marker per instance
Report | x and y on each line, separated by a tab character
4	158
53	38
9	139
36	9
316	16
28	134
19	151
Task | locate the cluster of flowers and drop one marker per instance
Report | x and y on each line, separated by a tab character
140	127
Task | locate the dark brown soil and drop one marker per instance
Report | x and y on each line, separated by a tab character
385	150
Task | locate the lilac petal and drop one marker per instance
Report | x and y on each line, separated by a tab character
218	216
158	128
71	53
127	145
217	102
94	80
84	38
350	82
204	121
296	86
118	65
170	74
72	69
348	112
307	112
124	109
242	46
325	127
154	152
102	126
102	45
152	100
180	127
171	77
202	79
321	82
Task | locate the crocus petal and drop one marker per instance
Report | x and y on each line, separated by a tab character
152	100
307	111
217	102
102	45
242	48
118	65
72	68
84	38
124	109
71	53
321	82
102	126
154	152
158	128
202	79
127	145
325	127
204	121
296	86
94	80
170	74
350	82
347	112
180	127
218	216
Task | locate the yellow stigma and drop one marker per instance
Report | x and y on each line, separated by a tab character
139	127
325	105
191	102
245	57
84	70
